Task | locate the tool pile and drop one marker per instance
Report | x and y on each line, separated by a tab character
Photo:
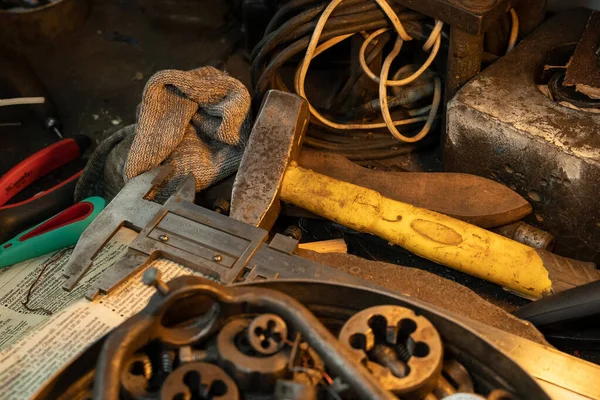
197	339
268	175
219	182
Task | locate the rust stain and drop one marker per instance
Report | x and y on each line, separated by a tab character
398	219
322	190
437	232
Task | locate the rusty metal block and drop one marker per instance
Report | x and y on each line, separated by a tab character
502	127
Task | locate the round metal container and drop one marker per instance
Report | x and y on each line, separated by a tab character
334	303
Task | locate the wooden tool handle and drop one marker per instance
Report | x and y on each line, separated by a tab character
431	235
470	198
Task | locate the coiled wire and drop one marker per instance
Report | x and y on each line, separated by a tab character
309	28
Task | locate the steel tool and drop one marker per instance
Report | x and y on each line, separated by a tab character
392	327
569	319
255	197
268	174
146	328
527	234
130	208
572	334
213	244
218	246
126	359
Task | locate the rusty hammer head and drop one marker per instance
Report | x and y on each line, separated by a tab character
275	141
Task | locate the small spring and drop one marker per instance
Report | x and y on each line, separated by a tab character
166	361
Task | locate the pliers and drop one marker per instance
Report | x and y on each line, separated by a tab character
17	217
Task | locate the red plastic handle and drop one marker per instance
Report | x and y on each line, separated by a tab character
75	213
45	192
35	166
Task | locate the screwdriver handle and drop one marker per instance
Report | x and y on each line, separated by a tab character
431	235
19	79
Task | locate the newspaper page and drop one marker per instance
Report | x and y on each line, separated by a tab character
48	294
39	345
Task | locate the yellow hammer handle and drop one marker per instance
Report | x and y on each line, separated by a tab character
431	235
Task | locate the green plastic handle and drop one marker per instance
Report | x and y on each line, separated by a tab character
62	230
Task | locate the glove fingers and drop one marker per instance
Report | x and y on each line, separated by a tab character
164	116
217	106
208	163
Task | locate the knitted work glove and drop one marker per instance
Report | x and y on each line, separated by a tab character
197	121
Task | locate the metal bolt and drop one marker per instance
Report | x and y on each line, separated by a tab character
218	258
187	355
52	124
402	351
294	232
163	238
152	277
221	206
386	356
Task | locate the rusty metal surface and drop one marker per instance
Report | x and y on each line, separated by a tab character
473	16
413	336
129	208
244	368
470	198
502	127
534	237
552	369
583	71
532	14
464	59
147	327
527	234
199	380
206	241
275	141
459	375
267	334
34	25
135	375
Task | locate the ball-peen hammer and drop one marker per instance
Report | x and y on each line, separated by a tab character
268	174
